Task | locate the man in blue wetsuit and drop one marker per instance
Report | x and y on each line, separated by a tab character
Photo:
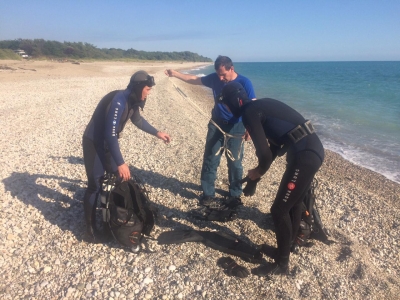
276	129
224	72
101	149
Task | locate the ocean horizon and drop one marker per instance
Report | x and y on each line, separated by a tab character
354	105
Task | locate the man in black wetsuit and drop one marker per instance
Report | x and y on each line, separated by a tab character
276	129
100	140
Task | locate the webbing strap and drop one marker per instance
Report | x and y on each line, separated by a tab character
228	136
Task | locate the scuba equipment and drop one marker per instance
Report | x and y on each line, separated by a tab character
210	202
216	240
311	225
127	210
221	214
214	210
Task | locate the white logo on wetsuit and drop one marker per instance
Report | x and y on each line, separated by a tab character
291	185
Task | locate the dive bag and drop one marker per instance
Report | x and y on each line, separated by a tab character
127	211
311	225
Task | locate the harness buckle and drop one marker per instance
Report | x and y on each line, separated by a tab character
301	131
309	127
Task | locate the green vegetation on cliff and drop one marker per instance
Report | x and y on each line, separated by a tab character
9	54
39	48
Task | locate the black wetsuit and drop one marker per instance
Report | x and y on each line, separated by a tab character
271	119
100	140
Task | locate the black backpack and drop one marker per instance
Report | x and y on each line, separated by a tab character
127	210
311	225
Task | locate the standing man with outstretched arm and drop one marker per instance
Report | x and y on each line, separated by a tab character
101	149
224	72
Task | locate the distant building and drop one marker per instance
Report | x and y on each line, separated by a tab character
21	53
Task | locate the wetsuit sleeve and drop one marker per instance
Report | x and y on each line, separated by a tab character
142	124
113	118
263	152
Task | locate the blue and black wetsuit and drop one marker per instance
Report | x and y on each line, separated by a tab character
100	140
273	120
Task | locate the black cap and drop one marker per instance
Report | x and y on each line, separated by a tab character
234	96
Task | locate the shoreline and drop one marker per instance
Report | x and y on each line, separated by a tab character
43	180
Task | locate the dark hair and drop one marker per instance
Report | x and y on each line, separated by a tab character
223	61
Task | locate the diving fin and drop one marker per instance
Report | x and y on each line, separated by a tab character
228	244
216	240
179	236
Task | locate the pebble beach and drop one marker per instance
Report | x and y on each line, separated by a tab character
45	107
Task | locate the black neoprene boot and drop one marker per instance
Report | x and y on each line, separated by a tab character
107	234
270	251
90	220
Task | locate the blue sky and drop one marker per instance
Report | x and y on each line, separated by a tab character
243	30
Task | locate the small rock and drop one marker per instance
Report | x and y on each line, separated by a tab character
172	268
147	280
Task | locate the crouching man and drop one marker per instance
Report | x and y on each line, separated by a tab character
276	129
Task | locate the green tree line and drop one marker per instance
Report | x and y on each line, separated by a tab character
39	48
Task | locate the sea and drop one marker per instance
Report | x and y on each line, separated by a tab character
354	106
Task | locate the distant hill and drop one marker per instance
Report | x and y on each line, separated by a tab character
39	48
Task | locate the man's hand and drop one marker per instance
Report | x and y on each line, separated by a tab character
254	174
164	136
123	172
169	72
191	79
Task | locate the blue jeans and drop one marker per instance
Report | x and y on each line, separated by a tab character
214	141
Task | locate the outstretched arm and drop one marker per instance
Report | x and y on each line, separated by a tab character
142	124
192	79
